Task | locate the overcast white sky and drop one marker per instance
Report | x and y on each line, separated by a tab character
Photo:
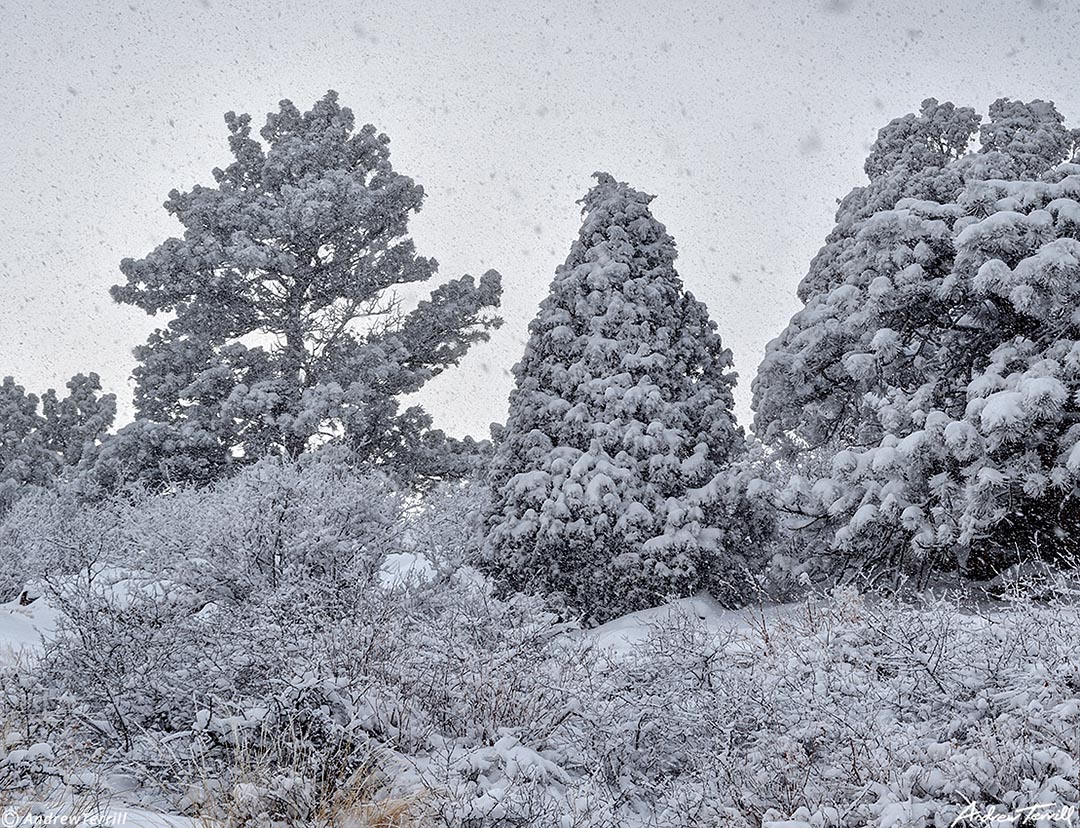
746	119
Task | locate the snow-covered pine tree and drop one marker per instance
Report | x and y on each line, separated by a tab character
40	437
23	456
286	326
804	398
620	420
76	423
948	333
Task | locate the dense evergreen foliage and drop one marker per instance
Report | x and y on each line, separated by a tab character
604	483
286	328
40	438
928	389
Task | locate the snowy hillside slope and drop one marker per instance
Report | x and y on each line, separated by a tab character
840	711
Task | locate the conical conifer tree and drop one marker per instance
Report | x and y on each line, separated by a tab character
620	419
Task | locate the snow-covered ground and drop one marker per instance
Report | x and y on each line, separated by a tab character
23	627
840	711
626	634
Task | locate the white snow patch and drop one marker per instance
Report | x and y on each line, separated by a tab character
624	635
401	568
23	629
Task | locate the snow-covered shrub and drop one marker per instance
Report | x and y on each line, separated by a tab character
478	696
663	710
50	535
843	713
422	687
270	691
124	646
13	563
166	598
469	710
447	523
319	519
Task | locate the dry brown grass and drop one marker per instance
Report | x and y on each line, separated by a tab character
328	787
353	807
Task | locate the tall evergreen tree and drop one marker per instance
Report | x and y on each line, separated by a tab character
805	399
604	481
931	375
286	326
